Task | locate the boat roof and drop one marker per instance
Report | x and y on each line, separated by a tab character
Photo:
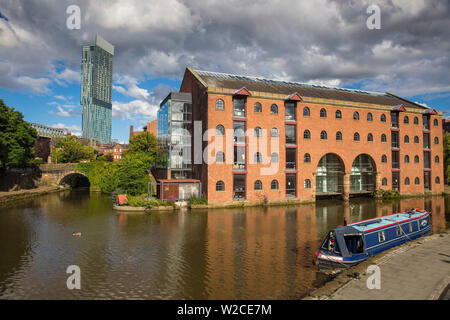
380	222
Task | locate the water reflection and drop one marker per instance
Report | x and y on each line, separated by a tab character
254	253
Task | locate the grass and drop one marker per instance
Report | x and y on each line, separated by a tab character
194	200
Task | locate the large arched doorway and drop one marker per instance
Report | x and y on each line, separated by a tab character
330	175
75	180
363	176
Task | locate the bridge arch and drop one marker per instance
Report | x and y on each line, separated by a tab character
75	179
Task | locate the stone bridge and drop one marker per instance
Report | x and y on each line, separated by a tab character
62	174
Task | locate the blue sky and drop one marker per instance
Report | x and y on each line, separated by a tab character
156	40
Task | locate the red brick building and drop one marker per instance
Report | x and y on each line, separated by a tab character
115	150
303	141
150	127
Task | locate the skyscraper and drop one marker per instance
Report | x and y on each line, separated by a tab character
96	90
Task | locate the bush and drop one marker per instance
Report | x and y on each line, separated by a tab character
387	194
194	200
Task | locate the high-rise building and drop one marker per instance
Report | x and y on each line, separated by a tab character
96	90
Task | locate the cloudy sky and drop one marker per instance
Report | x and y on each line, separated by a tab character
320	41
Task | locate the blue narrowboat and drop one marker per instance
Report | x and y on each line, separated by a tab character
350	244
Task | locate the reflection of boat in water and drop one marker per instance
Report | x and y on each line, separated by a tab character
348	245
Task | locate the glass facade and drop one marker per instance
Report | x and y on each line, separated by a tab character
96	90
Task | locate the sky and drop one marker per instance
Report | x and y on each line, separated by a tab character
321	42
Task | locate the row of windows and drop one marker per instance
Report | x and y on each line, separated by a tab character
274	185
220	105
437	180
416	159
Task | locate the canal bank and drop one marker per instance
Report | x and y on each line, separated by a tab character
29	193
418	270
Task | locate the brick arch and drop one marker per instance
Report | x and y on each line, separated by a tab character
74	179
331	180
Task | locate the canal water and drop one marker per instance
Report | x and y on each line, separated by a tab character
253	253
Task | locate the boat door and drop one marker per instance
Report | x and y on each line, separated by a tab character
354	243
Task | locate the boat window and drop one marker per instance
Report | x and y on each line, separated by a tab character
410	227
399	231
418	225
354	243
325	243
381	236
330	243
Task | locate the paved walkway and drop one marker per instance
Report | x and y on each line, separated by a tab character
419	271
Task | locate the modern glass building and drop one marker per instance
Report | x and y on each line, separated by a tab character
96	90
174	134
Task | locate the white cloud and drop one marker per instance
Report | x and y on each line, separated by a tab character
129	110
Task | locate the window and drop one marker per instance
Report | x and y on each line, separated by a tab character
220	186
274	109
306	158
395	160
257	107
258	157
437	180
239	158
416	159
338	136
383	158
290	134
381	236
435	122
394	119
416	120
291	183
356	136
290	158
406	159
405	120
220	157
398	231
384	182
258	185
417	180
436	159
290	111
323	113
426	122
355	115
338	114
307	184
220	105
416	139
306	112
406	139
258	132
274	157
239	107
239	131
427	160
410	227
436	140
369	117
394	139
323	135
274	132
306	134
220	130
274	185
406	181
238	186
426	141
369	137
383	118
383	138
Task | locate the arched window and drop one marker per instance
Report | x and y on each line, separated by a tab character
220	157
274	132
220	186
323	135
406	139
323	113
274	109
437	180
405	120
369	117
369	137
257	107
436	159
355	115
306	112
220	105
436	123
338	136
220	130
306	134
416	159
274	185
384	182
258	157
406	159
383	138
274	157
307	184
258	185
306	158
356	136
406	181
417	180
258	132
416	139
383	118
416	120
383	158
338	114
436	140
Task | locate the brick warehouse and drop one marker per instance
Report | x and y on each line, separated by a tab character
331	141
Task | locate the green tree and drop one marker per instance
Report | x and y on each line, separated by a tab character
17	139
132	174
145	146
69	150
